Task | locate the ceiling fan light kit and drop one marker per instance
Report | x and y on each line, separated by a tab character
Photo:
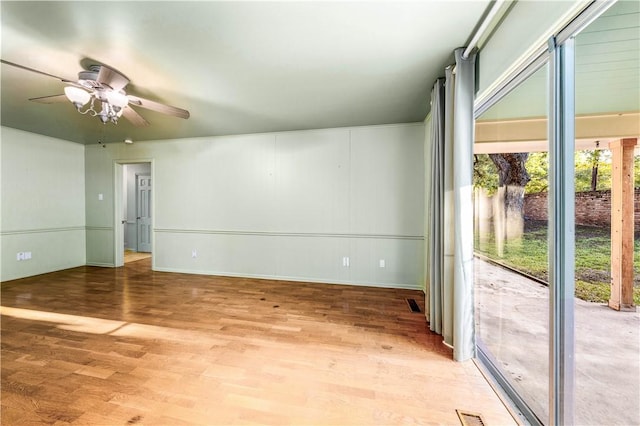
102	88
113	103
77	96
117	99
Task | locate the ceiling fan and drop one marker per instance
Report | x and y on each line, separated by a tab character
100	91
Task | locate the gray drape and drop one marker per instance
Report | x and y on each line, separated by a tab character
435	211
450	224
464	328
448	210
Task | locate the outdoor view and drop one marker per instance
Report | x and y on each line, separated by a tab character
512	311
511	227
593	232
607	341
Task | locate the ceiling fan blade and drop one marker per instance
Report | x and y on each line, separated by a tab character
50	99
112	78
64	80
135	118
155	106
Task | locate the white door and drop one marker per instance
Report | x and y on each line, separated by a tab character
143	185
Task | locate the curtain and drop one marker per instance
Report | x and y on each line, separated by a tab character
450	224
464	346
435	212
448	210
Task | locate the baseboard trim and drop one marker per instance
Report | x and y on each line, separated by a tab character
48	271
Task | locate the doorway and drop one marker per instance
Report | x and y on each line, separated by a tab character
134	212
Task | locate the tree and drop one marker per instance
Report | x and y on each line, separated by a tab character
592	170
538	168
484	174
513	176
509	199
595	162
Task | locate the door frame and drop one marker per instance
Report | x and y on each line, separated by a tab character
118	226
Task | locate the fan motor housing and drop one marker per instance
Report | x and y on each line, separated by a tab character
89	78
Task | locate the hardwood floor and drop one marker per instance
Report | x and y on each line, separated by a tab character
134	256
132	346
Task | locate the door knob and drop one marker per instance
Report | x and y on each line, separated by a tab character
124	221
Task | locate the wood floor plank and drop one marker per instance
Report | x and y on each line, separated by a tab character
132	346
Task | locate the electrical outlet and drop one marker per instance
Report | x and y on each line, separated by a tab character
382	263
194	253
23	255
345	261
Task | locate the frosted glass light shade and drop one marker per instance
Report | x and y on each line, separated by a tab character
117	99
76	95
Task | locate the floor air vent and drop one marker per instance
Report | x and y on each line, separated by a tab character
413	305
470	419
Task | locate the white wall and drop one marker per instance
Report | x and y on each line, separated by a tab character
285	205
42	187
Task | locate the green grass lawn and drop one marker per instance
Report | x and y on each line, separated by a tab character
593	258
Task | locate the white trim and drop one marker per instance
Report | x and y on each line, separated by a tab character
44	230
287	234
118	226
484	26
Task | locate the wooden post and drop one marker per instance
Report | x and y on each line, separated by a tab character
622	198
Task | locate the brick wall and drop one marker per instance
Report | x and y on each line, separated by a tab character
593	208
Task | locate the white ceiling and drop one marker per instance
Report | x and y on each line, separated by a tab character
238	67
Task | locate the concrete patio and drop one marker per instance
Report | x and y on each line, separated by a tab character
512	320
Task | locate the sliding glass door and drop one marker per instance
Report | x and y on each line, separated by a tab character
511	252
557	276
607	329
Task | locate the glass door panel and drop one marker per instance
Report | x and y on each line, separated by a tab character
511	218
607	354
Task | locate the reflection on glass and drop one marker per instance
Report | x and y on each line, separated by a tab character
608	109
510	179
